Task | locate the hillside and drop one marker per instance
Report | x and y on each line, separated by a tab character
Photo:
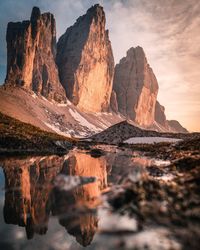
121	132
16	136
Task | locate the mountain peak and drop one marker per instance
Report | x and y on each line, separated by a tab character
95	8
135	51
31	47
85	62
136	87
35	14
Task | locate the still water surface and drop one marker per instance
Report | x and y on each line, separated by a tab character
45	205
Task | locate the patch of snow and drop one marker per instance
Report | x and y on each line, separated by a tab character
56	129
43	158
45	99
103	125
150	140
167	177
161	162
87	139
79	118
32	160
34	95
62	104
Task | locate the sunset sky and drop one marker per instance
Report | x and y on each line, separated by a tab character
168	31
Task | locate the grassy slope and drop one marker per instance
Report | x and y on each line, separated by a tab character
18	136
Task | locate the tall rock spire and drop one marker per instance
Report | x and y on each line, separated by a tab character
136	87
85	61
31	50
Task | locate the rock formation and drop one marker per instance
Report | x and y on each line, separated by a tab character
160	116
172	125
31	51
175	126
81	69
113	102
27	185
81	225
136	87
85	61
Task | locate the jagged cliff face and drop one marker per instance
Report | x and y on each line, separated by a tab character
160	116
136	87
82	69
85	62
113	102
172	125
31	50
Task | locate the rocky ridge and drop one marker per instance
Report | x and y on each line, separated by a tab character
84	70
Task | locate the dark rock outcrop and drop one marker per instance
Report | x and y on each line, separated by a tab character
136	87
31	51
120	132
160	116
85	61
113	102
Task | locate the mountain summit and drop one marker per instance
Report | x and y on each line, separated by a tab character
31	51
136	87
85	62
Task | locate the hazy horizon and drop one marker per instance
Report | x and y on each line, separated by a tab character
167	31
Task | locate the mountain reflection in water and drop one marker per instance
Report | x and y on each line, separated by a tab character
31	197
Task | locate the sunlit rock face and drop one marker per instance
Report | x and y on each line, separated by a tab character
27	184
86	166
81	220
136	87
160	116
31	51
85	61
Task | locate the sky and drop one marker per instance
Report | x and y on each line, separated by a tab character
168	31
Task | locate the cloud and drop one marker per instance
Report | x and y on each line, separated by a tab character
167	30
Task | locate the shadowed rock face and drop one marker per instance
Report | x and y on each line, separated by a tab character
85	61
113	102
160	116
175	126
172	125
136	87
31	50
